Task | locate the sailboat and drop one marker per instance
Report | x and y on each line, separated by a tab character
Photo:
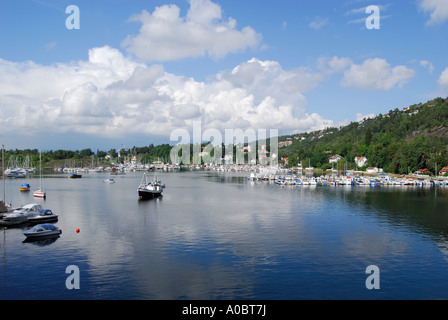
40	193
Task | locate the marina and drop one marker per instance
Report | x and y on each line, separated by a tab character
219	235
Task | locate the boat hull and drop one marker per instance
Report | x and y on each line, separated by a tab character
42	234
13	222
43	219
40	194
148	195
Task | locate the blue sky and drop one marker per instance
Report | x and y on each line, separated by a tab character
137	70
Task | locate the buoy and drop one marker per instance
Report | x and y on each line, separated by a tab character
77	230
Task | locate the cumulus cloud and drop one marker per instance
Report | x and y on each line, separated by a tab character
165	35
111	96
376	74
443	81
438	10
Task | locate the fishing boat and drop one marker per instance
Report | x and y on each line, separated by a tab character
40	193
45	215
25	187
42	230
149	190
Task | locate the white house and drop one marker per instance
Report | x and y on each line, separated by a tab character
372	170
361	161
335	159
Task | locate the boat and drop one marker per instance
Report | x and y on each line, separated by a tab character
150	190
110	180
40	193
25	187
75	176
14	173
42	230
45	215
21	215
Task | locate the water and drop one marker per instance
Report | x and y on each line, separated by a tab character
219	236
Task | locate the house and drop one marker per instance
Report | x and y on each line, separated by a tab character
335	159
372	170
361	161
443	171
423	171
288	142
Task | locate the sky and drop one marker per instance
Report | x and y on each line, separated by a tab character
105	74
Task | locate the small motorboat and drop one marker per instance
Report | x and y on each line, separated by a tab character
45	215
21	215
25	187
42	230
75	176
110	180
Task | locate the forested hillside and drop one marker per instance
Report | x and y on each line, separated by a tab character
400	141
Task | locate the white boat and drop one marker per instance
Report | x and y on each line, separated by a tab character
110	180
45	215
21	215
42	230
40	193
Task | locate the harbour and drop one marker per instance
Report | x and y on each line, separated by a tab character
220	236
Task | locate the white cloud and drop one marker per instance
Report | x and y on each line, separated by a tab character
360	116
318	23
376	74
428	65
165	35
443	81
113	96
438	10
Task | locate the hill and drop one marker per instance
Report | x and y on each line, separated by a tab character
398	142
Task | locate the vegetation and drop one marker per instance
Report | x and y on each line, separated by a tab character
401	141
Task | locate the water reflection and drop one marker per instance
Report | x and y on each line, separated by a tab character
42	241
220	236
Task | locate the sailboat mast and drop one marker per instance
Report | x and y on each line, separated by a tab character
3	173
40	168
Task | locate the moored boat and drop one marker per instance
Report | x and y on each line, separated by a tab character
21	215
42	230
150	190
40	194
45	215
25	187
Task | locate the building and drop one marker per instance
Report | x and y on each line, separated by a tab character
361	161
335	159
372	170
443	171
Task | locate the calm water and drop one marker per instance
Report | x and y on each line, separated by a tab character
220	236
